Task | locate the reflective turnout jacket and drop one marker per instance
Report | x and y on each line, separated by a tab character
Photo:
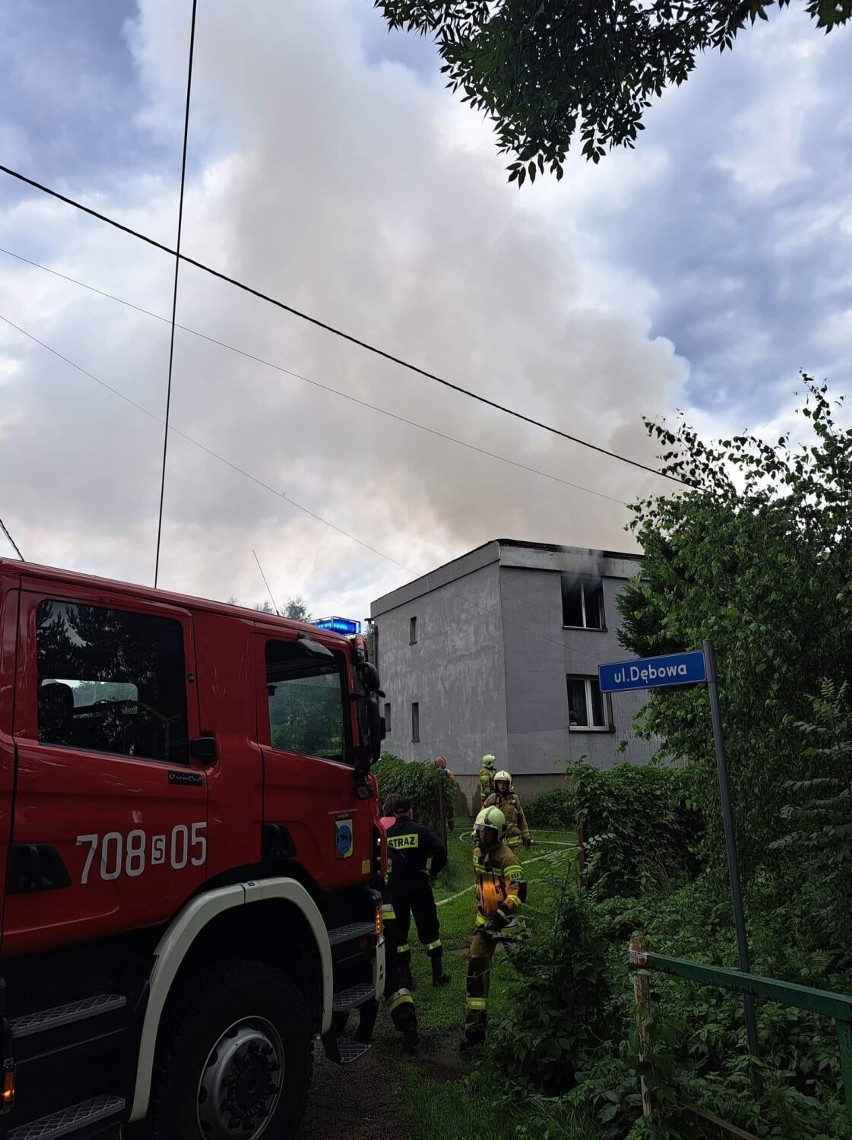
509	804
486	783
498	882
410	847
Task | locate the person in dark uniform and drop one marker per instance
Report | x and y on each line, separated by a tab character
398	999
417	856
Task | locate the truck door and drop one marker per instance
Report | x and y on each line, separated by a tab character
110	816
305	722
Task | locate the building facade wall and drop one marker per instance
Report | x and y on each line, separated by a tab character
490	667
540	655
454	671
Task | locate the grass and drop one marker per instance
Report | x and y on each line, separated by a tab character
466	1109
458	1108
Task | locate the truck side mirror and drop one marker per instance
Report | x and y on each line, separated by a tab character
376	723
312	648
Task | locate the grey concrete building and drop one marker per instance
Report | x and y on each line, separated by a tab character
498	652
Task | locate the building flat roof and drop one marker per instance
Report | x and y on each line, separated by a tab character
501	550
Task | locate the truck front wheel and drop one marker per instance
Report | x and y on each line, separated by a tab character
234	1057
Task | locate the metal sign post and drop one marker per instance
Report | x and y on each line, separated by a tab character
730	838
690	669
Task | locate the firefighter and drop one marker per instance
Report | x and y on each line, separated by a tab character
486	778
450	785
499	892
398	999
508	801
417	856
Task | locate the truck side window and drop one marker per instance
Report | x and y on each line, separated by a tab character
306	703
111	681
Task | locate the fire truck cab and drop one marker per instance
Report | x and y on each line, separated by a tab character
188	836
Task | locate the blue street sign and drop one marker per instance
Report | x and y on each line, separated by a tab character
653	672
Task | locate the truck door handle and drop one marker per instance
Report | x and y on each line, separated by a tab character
35	867
204	749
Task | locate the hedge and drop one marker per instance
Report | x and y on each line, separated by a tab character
416	779
640	825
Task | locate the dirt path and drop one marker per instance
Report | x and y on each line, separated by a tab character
362	1102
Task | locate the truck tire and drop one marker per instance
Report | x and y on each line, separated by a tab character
234	1057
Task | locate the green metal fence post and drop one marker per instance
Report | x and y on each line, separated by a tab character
844	1039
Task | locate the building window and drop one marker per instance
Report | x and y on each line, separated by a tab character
412	631
111	681
582	602
587	708
415	721
387	718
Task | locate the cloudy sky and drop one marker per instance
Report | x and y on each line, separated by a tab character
329	167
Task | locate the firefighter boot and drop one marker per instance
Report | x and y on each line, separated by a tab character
404	960
404	1017
439	978
366	1021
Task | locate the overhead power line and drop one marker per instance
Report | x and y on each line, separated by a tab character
5	530
331	328
221	458
175	291
280	494
314	383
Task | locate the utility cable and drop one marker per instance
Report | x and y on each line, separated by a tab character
209	451
5	530
335	331
504	621
175	291
315	383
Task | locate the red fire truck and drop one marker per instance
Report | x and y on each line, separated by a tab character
188	832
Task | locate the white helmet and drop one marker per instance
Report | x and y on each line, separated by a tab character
491	817
488	761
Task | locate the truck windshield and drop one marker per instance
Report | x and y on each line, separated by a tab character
306	703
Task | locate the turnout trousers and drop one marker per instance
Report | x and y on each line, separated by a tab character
476	988
398	999
416	901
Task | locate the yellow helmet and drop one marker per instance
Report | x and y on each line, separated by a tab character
503	775
491	817
488	761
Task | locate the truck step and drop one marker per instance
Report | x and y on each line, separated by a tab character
352	1051
350	932
69	1121
343	1052
59	1015
355	995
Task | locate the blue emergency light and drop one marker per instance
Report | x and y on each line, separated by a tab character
338	625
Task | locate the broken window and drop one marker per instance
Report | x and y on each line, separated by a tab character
582	602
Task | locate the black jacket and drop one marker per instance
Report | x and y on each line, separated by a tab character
410	847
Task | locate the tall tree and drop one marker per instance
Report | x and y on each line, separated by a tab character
754	553
297	609
549	71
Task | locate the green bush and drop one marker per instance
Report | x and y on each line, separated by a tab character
553	810
640	826
417	779
558	1016
819	819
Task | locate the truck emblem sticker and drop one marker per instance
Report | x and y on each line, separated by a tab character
191	779
344	838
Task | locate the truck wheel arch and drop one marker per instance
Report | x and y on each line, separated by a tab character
182	934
